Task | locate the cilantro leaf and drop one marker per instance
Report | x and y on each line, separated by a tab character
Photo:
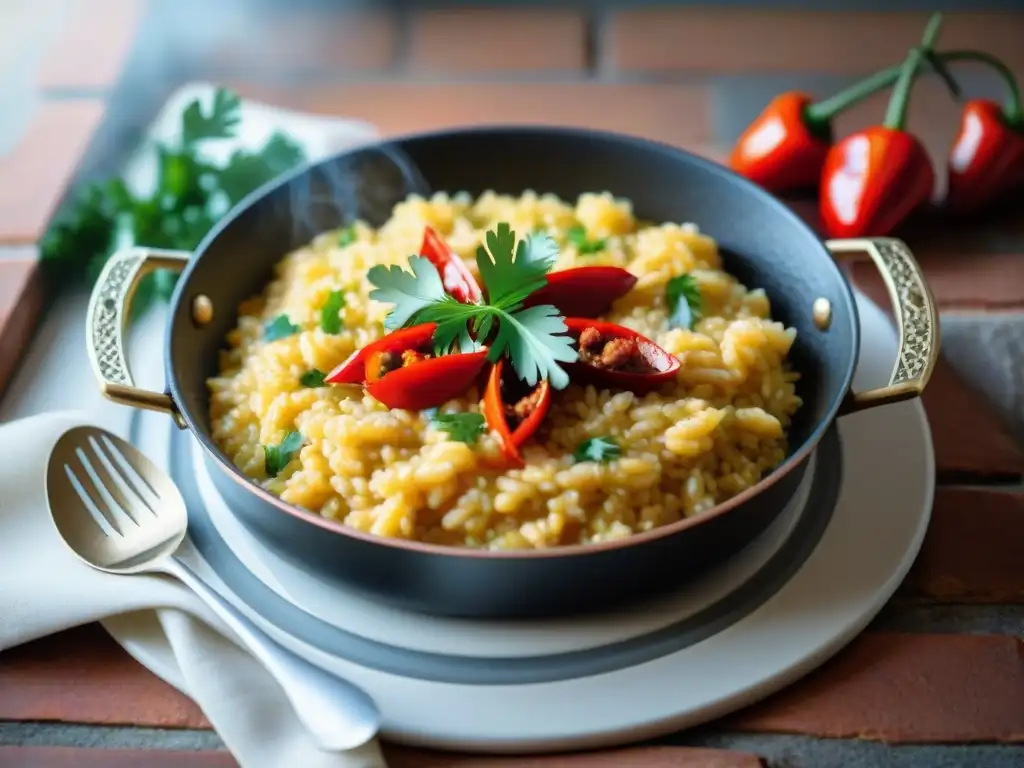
461	427
276	457
313	378
584	245
452	318
330	319
219	123
510	272
278	328
684	301
601	449
347	236
409	292
529	337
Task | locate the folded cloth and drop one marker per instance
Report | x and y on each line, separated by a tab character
45	588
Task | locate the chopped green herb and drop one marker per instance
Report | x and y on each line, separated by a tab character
330	319
279	328
276	457
190	193
461	427
600	449
584	245
682	295
533	338
314	378
347	236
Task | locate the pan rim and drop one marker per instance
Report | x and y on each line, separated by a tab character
794	460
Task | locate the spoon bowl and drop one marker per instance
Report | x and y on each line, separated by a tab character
119	513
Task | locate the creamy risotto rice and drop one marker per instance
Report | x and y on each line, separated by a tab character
686	447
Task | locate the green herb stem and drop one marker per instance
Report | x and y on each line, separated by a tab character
818	114
899	101
1013	110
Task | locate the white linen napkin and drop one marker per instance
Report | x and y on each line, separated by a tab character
44	589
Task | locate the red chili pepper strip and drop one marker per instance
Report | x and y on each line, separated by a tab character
874	178
583	291
428	383
660	365
538	403
456	278
494	414
353	370
986	159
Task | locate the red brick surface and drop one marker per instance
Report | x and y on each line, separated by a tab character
94	45
654	757
885	686
34	175
746	41
901	688
81	757
469	41
974	550
21	303
677	114
292	41
82	676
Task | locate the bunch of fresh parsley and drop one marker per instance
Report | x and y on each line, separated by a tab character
190	195
532	338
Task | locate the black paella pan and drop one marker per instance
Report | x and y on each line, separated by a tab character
762	243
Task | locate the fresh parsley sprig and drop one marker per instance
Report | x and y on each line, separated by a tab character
190	195
599	449
277	457
532	338
460	427
684	301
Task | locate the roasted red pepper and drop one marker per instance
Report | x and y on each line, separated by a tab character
987	157
615	356
456	278
583	291
527	412
353	370
875	178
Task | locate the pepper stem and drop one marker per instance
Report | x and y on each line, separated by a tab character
821	112
1013	110
899	101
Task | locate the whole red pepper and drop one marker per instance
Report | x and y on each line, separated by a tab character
581	291
987	157
875	178
784	148
497	418
660	365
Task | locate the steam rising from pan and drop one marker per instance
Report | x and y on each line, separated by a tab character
365	184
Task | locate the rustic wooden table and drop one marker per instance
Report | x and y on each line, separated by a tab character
937	680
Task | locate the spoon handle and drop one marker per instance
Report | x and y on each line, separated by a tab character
337	714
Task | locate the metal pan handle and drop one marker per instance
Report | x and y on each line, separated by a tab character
916	316
107	318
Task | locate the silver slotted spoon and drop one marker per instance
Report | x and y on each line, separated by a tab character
120	514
